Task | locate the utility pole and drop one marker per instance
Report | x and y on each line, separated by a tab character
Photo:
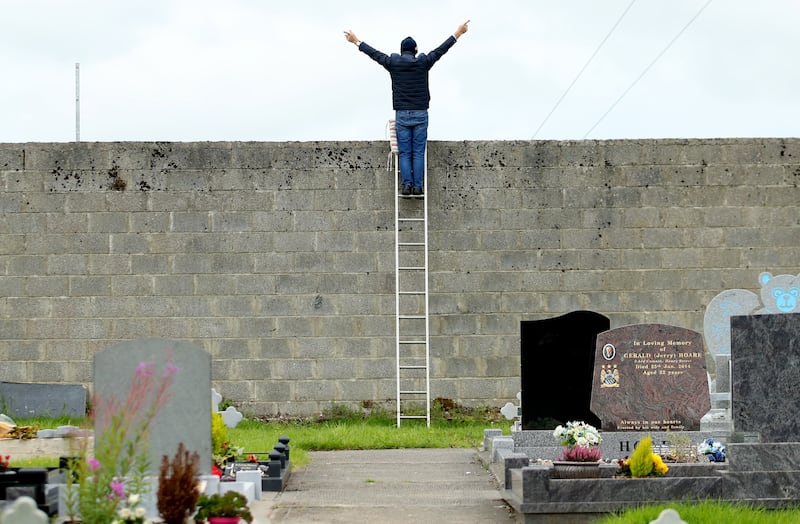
77	101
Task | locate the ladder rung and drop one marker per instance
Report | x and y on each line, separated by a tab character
411	268
413	367
413	392
412	292
411	219
412	341
413	416
411	243
411	317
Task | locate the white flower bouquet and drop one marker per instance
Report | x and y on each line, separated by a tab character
581	441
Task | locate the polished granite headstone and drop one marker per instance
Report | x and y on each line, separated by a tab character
557	357
765	350
650	377
185	417
26	400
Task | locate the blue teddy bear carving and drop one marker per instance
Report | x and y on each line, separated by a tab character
779	294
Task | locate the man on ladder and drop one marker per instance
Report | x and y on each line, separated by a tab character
410	100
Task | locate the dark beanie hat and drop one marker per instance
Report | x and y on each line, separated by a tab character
408	44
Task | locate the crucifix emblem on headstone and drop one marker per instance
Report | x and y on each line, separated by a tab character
511	412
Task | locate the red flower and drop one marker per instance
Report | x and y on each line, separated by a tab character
215	470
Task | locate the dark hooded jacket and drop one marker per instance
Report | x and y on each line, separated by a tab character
409	73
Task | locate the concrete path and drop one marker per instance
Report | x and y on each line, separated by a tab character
388	486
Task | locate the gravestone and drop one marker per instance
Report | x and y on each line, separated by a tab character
23	511
650	377
766	372
557	358
27	400
185	417
778	294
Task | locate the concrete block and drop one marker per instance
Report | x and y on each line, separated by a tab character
210	483
110	265
192	221
501	446
67	265
488	435
90	286
245	488
251	477
113	222
512	461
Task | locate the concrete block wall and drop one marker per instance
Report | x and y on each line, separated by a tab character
278	258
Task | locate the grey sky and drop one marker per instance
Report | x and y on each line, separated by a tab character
188	70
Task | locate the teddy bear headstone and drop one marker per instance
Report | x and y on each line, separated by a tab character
778	294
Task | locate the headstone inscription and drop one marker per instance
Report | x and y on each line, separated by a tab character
766	370
650	377
557	357
185	417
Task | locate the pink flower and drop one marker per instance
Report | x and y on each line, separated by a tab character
170	370
582	454
145	369
118	488
93	464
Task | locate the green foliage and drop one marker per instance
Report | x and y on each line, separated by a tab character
342	428
221	448
641	463
229	504
51	423
706	512
35	462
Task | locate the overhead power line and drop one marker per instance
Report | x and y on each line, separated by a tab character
584	68
646	69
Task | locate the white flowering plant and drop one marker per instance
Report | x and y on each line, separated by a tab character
132	512
581	441
712	449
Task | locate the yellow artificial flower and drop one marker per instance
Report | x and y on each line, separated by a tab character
658	465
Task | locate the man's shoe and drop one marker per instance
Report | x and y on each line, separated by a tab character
406	190
417	191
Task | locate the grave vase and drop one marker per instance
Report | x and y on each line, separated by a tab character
563	469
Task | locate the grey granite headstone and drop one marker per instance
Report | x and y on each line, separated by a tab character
765	350
650	377
25	400
185	417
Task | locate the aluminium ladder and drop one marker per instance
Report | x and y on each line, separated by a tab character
412	330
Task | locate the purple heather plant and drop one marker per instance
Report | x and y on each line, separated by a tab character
582	454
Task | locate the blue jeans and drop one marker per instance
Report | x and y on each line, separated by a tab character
412	136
